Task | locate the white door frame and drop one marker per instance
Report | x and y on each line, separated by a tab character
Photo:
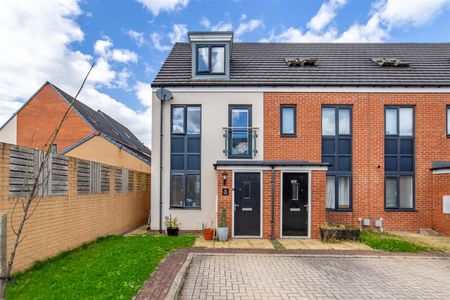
260	172
309	173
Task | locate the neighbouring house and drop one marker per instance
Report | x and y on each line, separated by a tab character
290	136
85	134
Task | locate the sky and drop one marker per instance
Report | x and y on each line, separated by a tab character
58	40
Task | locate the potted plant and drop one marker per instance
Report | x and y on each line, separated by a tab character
222	231
208	232
172	226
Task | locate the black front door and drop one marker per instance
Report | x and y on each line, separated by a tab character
247	204
295	204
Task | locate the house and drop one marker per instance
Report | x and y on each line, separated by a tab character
86	133
290	136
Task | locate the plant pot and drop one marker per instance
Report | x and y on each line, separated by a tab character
327	234
172	231
208	234
222	232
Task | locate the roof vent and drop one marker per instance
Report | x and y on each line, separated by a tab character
389	62
301	62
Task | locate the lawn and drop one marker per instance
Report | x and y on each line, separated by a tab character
392	243
113	267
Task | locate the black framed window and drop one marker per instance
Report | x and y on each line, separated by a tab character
337	151
210	59
448	120
240	133
185	183
288	120
399	155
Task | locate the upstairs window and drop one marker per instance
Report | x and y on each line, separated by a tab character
211	59
337	151
399	157
288	120
448	120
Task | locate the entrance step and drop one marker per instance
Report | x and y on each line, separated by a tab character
309	244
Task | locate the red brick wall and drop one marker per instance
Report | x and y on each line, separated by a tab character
368	147
317	203
441	187
225	201
38	119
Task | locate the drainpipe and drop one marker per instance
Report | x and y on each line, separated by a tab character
272	222
161	165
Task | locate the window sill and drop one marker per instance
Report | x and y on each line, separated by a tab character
184	208
288	135
400	210
339	210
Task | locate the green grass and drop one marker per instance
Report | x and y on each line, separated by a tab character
113	267
392	243
277	245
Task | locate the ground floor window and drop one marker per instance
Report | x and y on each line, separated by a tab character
400	192
338	190
185	190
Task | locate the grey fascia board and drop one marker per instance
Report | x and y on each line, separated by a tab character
269	163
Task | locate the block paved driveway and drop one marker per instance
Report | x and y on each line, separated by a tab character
261	276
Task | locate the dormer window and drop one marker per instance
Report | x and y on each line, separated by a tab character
211	54
211	59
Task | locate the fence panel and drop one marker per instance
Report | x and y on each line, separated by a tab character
83	177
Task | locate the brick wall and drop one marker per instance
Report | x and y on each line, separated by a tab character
317	205
441	187
225	201
61	223
368	147
38	119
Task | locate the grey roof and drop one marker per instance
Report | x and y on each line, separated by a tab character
270	163
106	125
439	165
338	64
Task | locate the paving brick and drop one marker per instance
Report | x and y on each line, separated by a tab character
316	277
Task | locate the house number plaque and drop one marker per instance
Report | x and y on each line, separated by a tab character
225	192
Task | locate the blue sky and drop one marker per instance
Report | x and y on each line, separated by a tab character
56	40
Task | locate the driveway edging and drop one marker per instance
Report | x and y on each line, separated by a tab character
177	284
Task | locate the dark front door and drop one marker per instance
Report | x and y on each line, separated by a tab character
247	204
295	204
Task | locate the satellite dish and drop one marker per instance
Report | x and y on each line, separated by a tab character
164	94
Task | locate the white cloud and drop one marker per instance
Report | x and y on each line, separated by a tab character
222	26
157	6
29	56
416	12
325	15
138	37
385	15
178	33
205	22
156	41
104	48
249	26
124	56
144	93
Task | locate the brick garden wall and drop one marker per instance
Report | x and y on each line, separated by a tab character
61	223
441	187
368	148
